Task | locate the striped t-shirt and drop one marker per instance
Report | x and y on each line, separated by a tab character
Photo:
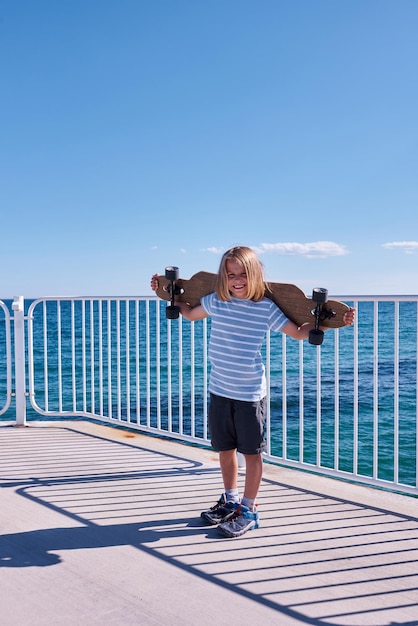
238	330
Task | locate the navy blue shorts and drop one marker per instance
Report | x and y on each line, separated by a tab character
237	425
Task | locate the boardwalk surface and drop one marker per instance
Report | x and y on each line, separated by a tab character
101	526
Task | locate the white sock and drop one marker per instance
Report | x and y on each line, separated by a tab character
232	495
250	503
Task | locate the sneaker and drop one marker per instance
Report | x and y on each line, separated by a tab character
222	511
241	521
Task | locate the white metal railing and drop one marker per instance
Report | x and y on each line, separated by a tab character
347	408
374	372
119	360
5	359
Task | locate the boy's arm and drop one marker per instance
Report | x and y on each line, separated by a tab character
299	332
192	313
302	332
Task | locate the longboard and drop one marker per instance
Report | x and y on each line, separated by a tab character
289	298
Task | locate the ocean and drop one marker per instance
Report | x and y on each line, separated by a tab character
121	359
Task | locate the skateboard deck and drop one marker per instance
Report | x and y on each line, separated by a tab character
289	298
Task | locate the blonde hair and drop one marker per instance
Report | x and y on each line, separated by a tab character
253	267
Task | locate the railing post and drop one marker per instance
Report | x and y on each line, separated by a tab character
20	369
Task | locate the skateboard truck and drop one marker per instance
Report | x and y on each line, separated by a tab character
321	313
172	310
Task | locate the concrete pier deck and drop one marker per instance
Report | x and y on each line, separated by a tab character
102	526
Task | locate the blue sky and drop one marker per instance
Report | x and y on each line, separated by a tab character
138	134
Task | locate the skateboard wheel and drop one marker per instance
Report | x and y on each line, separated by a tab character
316	337
171	272
172	312
319	295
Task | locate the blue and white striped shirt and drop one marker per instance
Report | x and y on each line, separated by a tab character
238	330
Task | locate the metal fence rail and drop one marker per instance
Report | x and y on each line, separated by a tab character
5	359
119	360
347	408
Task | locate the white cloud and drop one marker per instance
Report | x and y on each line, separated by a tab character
213	250
409	247
315	249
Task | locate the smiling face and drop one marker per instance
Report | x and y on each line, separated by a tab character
240	275
237	279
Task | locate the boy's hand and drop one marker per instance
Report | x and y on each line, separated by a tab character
154	282
348	318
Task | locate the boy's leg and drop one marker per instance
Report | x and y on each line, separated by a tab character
223	435
224	509
228	461
246	517
253	475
